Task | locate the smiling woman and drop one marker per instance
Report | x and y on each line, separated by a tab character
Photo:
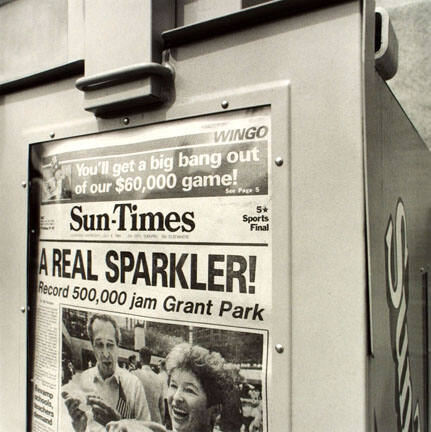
202	394
201	391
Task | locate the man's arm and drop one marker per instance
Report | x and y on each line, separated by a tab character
77	415
102	412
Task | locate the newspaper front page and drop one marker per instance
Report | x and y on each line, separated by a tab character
153	239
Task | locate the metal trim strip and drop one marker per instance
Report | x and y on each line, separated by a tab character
43	77
248	17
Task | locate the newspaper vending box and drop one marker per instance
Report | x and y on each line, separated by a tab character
227	218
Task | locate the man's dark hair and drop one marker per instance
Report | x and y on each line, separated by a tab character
106	318
145	355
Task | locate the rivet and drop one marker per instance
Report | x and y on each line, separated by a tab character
279	348
23	308
279	161
224	104
422	270
24	184
33	231
52	134
126	121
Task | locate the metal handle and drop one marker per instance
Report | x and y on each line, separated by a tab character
129	73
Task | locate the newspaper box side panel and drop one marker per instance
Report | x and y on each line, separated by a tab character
398	166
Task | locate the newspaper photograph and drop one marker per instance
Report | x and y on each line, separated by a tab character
151	252
152	366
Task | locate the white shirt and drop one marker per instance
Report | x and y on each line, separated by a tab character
90	383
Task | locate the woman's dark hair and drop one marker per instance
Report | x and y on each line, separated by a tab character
216	378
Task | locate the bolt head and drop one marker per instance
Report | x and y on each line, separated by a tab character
52	135
225	104
279	161
24	184
279	348
23	309
126	121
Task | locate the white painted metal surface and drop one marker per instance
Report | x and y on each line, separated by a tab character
308	68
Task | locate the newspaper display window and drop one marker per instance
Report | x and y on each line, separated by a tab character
155	239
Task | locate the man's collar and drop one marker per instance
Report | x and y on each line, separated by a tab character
114	377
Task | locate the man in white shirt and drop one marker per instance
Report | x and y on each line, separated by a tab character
153	386
111	393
